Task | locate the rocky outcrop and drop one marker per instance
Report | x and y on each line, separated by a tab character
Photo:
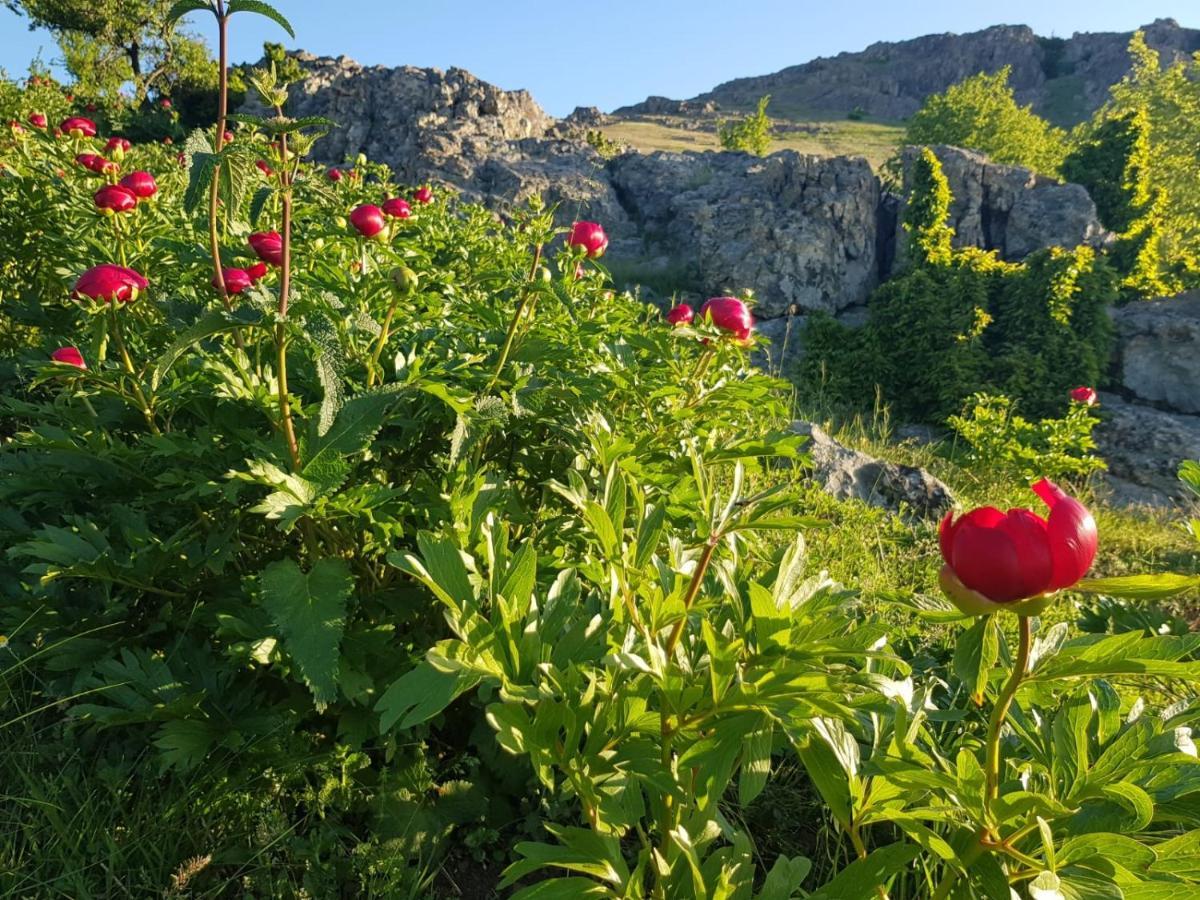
664	106
1011	209
799	230
1144	447
851	474
1159	351
1064	79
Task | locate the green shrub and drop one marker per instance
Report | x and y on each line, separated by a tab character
980	113
961	322
751	134
1002	441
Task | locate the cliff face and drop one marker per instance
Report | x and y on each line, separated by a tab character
1065	79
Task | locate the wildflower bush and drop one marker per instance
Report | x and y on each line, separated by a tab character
399	514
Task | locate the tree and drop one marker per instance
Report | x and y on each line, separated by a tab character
927	214
109	43
752	134
980	113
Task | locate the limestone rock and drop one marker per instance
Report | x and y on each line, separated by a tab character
1011	209
851	474
1159	350
1144	446
1067	79
799	230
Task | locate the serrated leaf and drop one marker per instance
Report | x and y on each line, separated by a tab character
209	325
354	427
199	178
976	653
262	9
183	7
261	196
309	610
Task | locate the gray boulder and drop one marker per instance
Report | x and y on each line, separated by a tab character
800	230
851	474
1144	447
1159	351
1010	209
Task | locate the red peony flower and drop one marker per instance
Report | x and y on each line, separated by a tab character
268	245
110	282
681	315
236	280
334	174
69	356
227	137
115	198
37	120
165	102
93	162
590	236
368	220
729	314
1085	395
257	271
264	168
999	557
397	208
423	194
78	126
117	146
141	184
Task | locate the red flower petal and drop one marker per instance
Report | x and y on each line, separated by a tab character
1071	531
1028	533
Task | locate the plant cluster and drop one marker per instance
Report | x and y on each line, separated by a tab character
387	523
751	134
971	323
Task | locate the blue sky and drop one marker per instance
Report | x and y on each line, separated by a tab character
611	53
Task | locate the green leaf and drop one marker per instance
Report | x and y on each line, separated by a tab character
859	880
183	7
208	325
419	695
1179	857
649	535
1045	887
976	653
310	612
261	196
1140	587
1134	799
756	763
354	427
199	178
592	861
563	889
785	875
262	9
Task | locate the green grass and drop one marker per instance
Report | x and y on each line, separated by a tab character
876	141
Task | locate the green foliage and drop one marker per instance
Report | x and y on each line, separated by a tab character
1001	440
981	114
969	323
604	145
107	43
751	134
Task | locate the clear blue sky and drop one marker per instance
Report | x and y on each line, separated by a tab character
607	54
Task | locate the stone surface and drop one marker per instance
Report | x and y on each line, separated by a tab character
800	230
1159	351
1144	447
851	474
1011	209
1066	80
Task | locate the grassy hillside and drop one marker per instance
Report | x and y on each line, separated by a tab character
874	140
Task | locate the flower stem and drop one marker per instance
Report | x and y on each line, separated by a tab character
373	369
693	589
285	285
516	320
127	364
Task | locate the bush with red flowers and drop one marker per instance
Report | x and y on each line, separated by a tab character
415	551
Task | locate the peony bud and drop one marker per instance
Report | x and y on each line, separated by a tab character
236	280
117	147
681	315
110	282
368	220
115	198
69	356
264	168
268	246
397	208
37	120
140	184
334	175
405	280
78	126
590	236
1085	395
423	194
257	271
729	314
